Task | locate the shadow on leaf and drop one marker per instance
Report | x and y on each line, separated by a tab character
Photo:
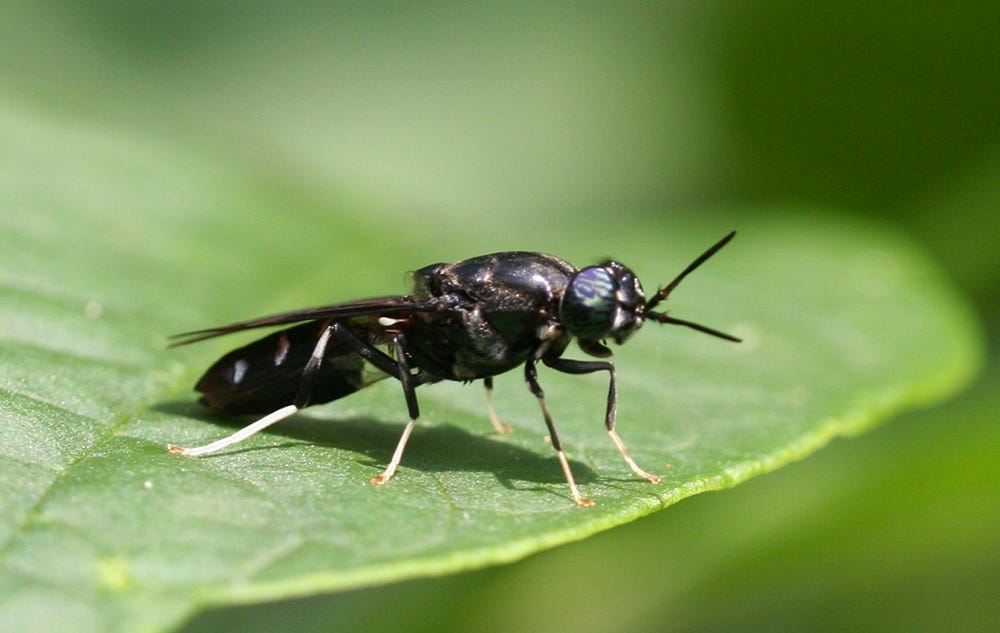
431	448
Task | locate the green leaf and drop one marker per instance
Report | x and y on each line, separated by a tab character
109	242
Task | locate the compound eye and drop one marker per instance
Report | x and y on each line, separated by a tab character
589	306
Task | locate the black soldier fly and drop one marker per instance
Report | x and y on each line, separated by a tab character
463	321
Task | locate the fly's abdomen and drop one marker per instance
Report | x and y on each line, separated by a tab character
267	374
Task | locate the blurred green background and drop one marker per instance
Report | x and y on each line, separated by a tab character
446	116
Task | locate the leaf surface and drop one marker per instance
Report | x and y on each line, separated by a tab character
109	242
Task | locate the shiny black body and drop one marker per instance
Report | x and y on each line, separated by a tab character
499	310
463	321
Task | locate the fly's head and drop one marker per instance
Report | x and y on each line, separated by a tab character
606	301
601	302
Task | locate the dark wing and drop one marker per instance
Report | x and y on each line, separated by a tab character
390	306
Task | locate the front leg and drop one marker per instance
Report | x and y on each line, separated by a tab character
570	366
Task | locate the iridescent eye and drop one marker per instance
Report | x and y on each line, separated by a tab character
589	305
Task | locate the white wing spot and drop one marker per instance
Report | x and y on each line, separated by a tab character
281	352
240	370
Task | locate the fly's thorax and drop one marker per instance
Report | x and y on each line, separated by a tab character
425	282
514	280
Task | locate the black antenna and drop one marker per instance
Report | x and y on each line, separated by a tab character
662	318
664	292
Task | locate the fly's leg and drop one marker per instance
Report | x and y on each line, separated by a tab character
301	400
398	368
406	379
498	426
531	376
570	366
